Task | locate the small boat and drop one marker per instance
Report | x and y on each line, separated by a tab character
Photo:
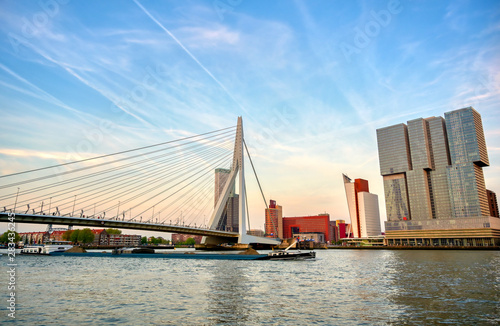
133	251
286	255
47	248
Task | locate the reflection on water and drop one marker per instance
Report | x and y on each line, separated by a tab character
349	287
226	297
458	287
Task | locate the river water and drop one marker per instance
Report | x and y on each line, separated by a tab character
340	287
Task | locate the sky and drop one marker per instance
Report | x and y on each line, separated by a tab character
313	80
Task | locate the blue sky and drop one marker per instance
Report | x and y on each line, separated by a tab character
313	81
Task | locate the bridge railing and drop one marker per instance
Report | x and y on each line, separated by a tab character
114	219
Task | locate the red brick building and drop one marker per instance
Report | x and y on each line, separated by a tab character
307	224
177	238
57	235
100	237
339	230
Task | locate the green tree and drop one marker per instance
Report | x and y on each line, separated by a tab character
190	241
85	236
4	238
67	235
74	236
144	240
155	241
113	231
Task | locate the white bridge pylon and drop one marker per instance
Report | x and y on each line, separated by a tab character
237	169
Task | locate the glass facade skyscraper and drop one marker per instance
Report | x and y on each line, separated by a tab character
432	172
230	216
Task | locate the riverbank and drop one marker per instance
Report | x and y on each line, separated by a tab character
412	247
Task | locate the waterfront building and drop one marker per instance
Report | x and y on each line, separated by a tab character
493	203
363	208
274	220
178	238
256	232
310	236
101	237
127	240
318	224
57	235
230	216
338	230
433	181
34	237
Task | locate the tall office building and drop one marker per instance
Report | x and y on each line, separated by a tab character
433	181
363	208
221	177
230	216
274	220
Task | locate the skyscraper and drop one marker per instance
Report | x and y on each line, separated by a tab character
274	220
433	181
230	216
363	208
221	177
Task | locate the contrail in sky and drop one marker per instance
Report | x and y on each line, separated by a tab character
191	55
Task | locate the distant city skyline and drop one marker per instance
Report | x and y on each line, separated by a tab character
312	80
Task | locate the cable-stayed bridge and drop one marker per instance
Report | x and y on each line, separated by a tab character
166	187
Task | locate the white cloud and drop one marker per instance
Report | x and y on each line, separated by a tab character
200	37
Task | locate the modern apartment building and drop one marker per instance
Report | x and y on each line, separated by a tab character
433	181
127	240
363	208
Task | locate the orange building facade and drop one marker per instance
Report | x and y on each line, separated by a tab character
274	220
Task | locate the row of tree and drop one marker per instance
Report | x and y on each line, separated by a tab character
4	238
79	236
84	235
189	242
154	241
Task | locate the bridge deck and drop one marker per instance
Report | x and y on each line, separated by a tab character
103	223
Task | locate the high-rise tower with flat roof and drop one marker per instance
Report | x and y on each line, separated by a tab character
363	208
274	220
433	181
230	216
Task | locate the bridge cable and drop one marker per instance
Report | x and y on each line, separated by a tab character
217	163
107	155
116	177
119	181
93	166
56	184
258	182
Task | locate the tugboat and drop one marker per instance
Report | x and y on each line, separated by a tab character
285	255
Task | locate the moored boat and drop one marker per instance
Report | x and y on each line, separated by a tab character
47	248
286	255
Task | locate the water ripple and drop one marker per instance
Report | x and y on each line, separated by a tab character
348	287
